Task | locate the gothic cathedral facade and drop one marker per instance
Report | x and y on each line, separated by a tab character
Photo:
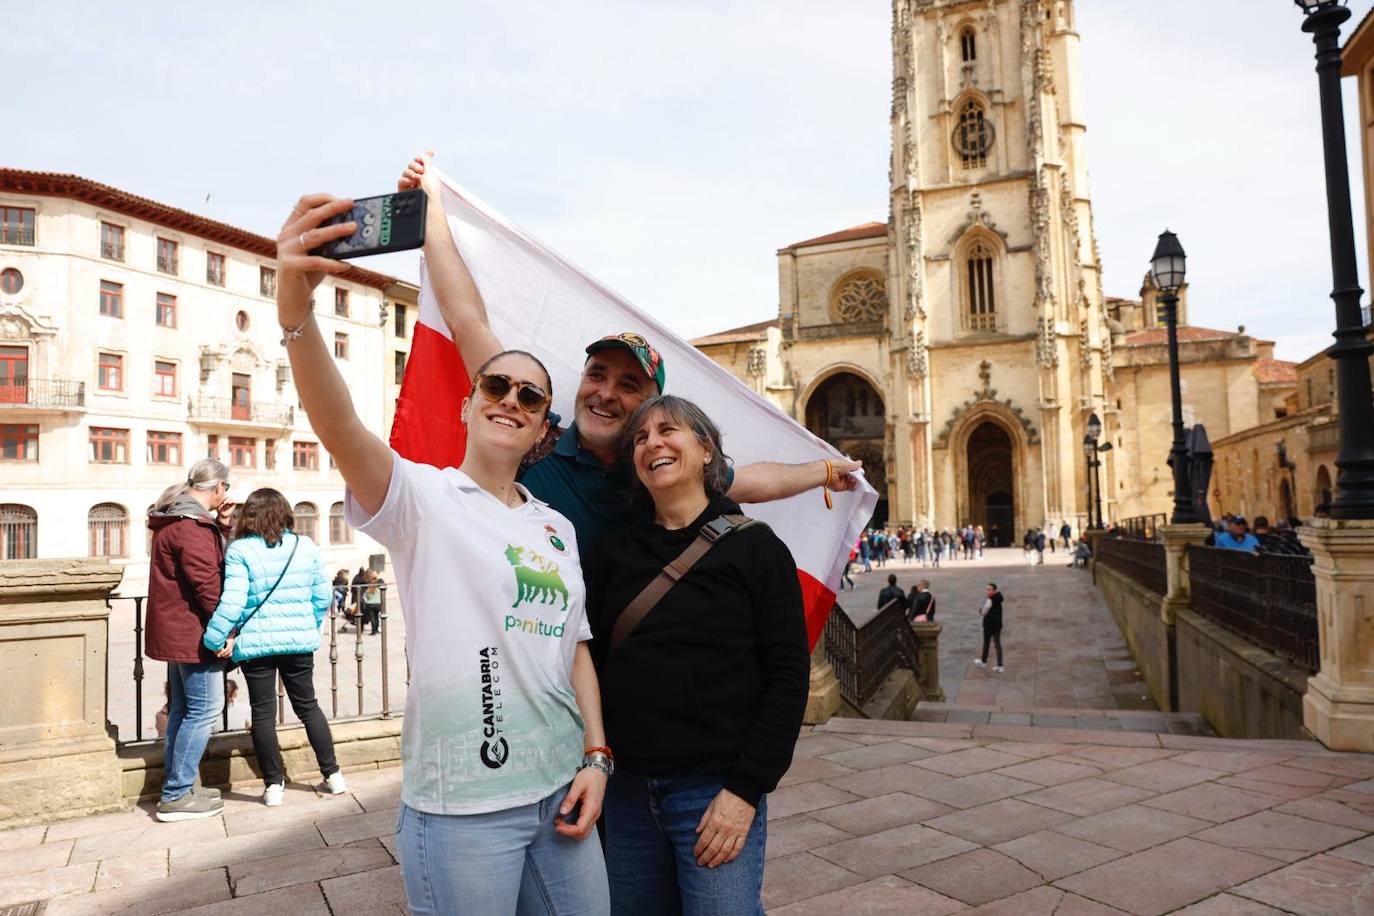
960	347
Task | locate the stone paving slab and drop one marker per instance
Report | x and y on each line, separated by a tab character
918	818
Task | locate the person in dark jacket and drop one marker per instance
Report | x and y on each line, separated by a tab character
1039	548
991	612
920	605
893	592
184	581
704	698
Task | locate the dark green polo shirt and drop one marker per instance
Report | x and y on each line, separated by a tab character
594	498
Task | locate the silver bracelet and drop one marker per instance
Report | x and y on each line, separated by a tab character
598	762
290	334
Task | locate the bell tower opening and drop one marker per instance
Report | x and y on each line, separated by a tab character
991	484
848	412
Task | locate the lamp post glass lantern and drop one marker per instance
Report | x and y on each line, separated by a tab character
1088	449
1351	351
1168	268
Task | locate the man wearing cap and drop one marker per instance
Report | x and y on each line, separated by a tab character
1237	536
582	474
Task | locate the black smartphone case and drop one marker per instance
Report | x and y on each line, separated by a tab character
388	222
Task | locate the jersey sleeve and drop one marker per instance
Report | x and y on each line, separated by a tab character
411	492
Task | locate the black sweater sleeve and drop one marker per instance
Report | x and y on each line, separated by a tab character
781	644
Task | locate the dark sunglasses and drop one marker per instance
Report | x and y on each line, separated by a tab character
495	387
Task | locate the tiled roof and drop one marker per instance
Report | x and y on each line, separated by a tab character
1150	337
56	184
1275	371
755	331
864	231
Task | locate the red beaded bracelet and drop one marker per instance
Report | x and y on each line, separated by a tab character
598	750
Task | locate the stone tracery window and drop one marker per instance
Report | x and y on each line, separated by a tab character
973	136
861	296
980	287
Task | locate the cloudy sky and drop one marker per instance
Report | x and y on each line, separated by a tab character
671	149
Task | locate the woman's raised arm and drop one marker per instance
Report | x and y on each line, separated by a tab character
362	458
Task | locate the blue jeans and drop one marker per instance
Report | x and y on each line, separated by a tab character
501	862
651	829
195	699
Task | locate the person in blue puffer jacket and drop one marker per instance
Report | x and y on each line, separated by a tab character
275	597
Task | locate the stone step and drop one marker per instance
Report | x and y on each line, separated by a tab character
1147	721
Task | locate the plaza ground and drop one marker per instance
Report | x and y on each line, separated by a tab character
1053	788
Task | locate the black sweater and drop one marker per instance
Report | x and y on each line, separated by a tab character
714	679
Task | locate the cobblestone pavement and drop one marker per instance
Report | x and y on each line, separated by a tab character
1063	649
873	818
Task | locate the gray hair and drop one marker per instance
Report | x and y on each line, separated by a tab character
716	475
205	474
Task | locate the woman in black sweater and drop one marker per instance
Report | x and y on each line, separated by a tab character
703	699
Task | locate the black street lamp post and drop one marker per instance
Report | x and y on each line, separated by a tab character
1168	268
1092	450
1351	351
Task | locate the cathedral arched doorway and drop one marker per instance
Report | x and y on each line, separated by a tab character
848	412
991	483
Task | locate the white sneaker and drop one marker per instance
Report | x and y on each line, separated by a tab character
272	795
334	783
998	668
980	663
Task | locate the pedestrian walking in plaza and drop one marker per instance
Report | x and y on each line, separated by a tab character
341	592
1065	532
275	598
489	784
991	612
893	592
920	606
184	581
704	687
1028	547
848	565
1039	548
866	552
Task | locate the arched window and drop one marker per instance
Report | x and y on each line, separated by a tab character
339	531
1322	495
307	521
973	136
109	530
980	287
968	45
18	532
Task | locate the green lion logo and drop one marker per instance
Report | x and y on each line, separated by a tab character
535	586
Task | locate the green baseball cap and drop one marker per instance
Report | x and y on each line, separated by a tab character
649	359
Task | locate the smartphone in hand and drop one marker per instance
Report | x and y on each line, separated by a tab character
388	222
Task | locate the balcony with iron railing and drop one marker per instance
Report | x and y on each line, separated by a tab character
211	411
42	395
16	235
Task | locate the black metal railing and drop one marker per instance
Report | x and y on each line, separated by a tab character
1142	527
864	656
1142	561
354	610
16	235
43	392
263	413
1269	599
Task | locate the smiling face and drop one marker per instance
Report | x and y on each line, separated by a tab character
503	425
613	385
668	455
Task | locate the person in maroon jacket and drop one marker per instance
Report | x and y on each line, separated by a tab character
184	578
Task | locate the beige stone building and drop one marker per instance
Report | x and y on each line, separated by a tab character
136	338
400	310
960	347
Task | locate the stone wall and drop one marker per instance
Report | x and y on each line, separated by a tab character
1242	691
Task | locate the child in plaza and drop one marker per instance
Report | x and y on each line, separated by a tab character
991	612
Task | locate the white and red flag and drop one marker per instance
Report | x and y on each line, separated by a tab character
538	301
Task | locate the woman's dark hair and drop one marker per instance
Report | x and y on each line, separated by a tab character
265	513
682	412
548	379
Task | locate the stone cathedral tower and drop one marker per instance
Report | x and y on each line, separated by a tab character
999	342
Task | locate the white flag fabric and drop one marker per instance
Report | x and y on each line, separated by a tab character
538	301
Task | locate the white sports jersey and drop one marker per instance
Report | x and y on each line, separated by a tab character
494	609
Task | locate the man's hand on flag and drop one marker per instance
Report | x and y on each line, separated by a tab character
417	174
846	476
